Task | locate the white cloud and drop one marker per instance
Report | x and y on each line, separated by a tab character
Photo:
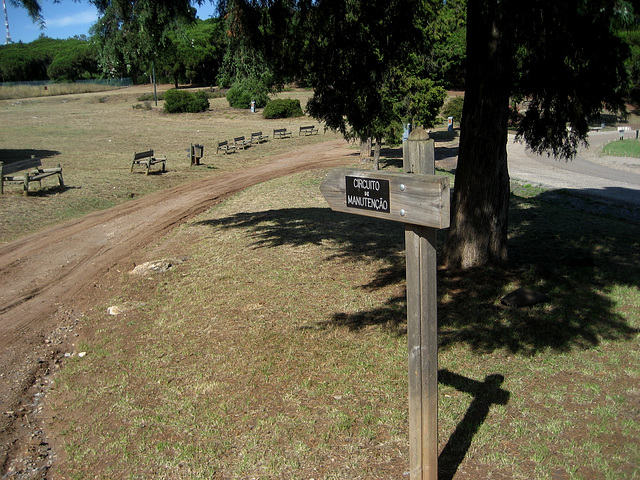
87	17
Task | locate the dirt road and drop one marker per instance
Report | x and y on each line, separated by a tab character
45	275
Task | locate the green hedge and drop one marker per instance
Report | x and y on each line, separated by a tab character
242	93
180	101
453	108
283	108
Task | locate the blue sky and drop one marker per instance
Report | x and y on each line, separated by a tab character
63	20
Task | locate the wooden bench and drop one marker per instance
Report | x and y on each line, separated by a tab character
281	133
196	152
241	142
258	137
308	130
147	160
27	171
226	147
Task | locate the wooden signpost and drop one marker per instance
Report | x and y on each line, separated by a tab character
421	201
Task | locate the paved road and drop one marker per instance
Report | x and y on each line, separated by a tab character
610	179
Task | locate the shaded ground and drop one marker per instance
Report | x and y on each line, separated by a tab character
49	277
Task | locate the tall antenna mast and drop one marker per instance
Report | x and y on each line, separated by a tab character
6	23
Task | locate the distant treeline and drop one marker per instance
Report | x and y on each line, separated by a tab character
48	59
193	54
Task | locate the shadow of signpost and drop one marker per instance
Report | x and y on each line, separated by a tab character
484	394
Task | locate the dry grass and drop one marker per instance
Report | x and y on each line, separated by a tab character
8	92
94	136
278	349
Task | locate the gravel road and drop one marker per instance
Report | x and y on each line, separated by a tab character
613	181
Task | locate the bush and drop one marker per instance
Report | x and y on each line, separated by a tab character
453	108
246	91
283	108
147	97
180	101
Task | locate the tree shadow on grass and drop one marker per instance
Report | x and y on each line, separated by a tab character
9	155
572	256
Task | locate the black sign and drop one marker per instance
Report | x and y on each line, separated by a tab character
368	193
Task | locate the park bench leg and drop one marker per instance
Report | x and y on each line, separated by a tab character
60	178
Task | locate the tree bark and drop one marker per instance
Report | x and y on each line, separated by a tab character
478	232
365	149
376	154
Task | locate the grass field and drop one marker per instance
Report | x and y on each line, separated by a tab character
94	136
278	348
623	148
50	90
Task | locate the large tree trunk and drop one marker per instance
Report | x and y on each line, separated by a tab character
478	232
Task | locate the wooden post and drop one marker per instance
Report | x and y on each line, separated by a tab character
26	183
420	200
60	180
422	324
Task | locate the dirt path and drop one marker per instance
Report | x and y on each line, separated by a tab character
44	276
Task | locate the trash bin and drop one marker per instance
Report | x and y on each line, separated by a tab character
196	152
450	124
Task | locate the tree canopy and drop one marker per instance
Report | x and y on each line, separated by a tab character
46	58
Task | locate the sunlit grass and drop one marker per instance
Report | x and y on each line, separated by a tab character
623	148
8	92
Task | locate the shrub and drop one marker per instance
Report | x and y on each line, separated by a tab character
453	108
246	91
142	106
149	97
283	108
180	101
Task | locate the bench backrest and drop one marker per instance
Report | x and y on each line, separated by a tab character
238	139
138	156
308	127
256	134
279	130
223	144
13	167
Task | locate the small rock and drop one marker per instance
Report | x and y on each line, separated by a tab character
524	297
158	266
115	310
82	354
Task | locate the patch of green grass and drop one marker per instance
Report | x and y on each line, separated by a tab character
622	148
